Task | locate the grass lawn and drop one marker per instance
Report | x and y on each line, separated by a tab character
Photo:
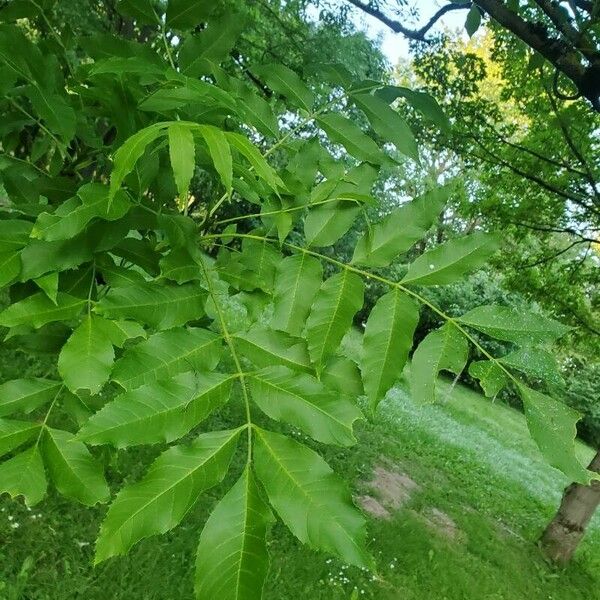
464	491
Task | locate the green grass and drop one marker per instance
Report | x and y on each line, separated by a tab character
472	459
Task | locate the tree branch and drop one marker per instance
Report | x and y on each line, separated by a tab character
413	34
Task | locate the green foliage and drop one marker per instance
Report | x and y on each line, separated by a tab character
119	209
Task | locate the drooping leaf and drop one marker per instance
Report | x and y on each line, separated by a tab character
297	281
182	153
160	306
286	82
473	20
143	11
511	325
451	260
400	229
72	216
265	347
338	300
388	123
160	500
261	167
14	235
303	401
491	377
309	498
38	309
23	475
220	152
86	360
127	155
25	395
165	354
445	349
552	424
387	340
343	131
157	412
74	471
15	433
238	528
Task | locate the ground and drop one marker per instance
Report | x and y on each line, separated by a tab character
456	495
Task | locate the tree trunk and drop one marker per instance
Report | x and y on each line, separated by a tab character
563	534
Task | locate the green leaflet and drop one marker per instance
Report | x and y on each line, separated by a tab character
451	260
49	285
336	303
86	360
141	10
14	235
491	376
54	111
10	267
536	363
263	347
341	130
160	500
425	103
23	475
324	225
25	395
127	155
74	471
71	217
220	152
397	232
182	152
473	20
237	527
388	123
286	82
261	167
160	306
119	332
309	498
167	353
15	433
212	45
552	424
158	412
343	375
386	342
185	14
38	309
303	401
518	326
445	349
297	281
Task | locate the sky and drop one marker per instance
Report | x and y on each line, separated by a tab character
394	45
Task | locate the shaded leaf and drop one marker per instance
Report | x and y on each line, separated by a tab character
491	377
287	83
15	433
182	153
38	309
25	395
23	475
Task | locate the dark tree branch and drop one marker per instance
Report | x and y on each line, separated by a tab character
413	34
574	56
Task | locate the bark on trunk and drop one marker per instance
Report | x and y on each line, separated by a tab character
563	534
